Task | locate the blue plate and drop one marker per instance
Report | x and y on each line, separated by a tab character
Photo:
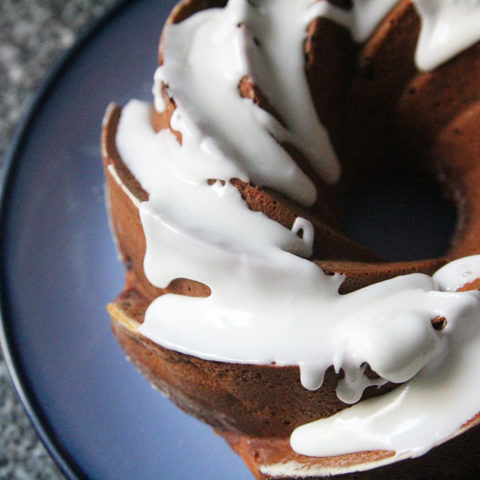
98	417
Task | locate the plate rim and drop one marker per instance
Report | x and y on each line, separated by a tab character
67	465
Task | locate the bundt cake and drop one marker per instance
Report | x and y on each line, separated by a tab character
244	301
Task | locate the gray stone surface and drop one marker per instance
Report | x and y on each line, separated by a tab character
32	34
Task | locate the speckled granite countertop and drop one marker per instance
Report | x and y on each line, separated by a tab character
32	35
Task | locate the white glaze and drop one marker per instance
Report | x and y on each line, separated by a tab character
227	56
268	304
448	27
458	273
417	415
362	19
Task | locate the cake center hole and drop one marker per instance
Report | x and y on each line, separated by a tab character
400	216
